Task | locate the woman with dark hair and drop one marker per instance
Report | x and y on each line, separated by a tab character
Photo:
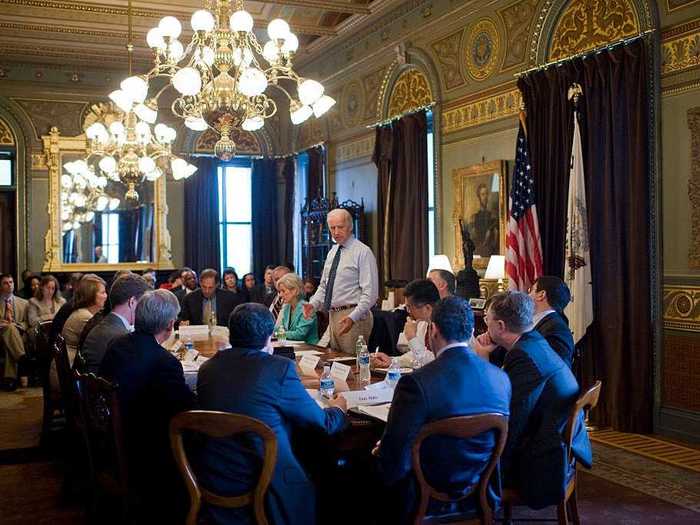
46	301
31	285
229	282
255	292
310	286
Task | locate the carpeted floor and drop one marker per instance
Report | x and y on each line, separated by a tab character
623	488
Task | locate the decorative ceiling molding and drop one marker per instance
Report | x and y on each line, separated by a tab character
680	48
410	91
481	108
694	187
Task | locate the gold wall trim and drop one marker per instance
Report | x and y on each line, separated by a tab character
6	136
675	5
694	187
679	89
64	30
680	50
481	110
411	91
681	308
355	149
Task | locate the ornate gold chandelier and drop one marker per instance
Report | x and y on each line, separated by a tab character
220	76
122	143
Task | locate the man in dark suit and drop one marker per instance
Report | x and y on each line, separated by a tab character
152	389
123	296
551	295
209	298
246	379
189	284
456	383
544	390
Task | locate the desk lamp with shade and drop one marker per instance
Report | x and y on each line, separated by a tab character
439	262
496	270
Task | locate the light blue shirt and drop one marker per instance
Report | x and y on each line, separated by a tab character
356	279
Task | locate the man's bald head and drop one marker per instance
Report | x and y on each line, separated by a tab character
340	225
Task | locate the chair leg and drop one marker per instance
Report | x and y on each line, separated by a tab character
573	508
561	514
507	513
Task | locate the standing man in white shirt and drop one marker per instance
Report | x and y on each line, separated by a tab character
349	285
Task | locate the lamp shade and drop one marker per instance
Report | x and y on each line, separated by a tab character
496	268
439	262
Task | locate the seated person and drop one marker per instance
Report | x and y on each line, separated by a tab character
456	383
296	326
444	281
188	277
46	303
310	287
246	379
13	326
551	295
421	296
123	296
544	390
151	391
31	285
208	299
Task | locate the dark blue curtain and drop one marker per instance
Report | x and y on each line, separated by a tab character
266	227
202	216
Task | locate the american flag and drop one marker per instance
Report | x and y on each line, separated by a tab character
523	243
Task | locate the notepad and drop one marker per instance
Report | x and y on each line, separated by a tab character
380	412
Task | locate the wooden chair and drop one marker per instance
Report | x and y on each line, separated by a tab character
53	418
464	427
586	401
221	425
102	433
66	382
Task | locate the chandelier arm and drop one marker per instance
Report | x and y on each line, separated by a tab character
283	91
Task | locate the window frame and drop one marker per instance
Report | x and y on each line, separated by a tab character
237	162
10	154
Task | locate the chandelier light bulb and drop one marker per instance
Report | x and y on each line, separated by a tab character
108	164
76	225
146	165
155	40
278	29
89	216
81	168
79	200
291	44
196	123
66	181
176	51
147	111
202	20
67	226
100	182
116	128
160	130
187	81
114	204
135	87
322	105
143	133
154	175
178	167
244	56
170	26
300	114
122	100
241	21
310	91
65	215
97	132
252	82
271	52
253	123
102	203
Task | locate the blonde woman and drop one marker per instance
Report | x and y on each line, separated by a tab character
298	328
46	302
90	298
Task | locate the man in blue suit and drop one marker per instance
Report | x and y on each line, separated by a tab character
456	383
246	379
544	390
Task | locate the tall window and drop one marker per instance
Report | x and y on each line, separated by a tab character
235	215
6	168
431	184
110	237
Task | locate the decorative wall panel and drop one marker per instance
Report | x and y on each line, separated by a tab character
447	51
411	90
352	104
680	48
681	307
483	49
694	187
681	372
517	19
479	110
246	142
672	5
372	84
587	24
355	149
45	114
6	136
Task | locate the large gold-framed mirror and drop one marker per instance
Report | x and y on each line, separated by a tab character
83	236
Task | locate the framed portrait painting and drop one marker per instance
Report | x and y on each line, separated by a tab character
480	205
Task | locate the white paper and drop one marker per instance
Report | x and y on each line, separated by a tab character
368	397
380	412
308	363
194	330
342	359
316	396
190	355
377	386
340	371
307	352
404	370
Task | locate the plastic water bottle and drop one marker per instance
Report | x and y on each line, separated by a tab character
358	348
393	374
211	322
363	360
327	387
281	334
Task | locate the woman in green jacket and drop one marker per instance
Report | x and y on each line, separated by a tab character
297	327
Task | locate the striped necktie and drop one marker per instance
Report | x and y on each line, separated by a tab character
9	310
327	300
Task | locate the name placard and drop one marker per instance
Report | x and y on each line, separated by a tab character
308	363
340	371
368	397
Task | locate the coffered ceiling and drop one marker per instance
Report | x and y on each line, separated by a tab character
94	33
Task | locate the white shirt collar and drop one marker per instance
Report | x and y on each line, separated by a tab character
453	345
123	320
538	317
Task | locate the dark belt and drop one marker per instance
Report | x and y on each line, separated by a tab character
341	308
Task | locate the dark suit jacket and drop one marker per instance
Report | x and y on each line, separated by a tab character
544	390
99	338
457	383
152	389
266	387
180	292
556	331
225	303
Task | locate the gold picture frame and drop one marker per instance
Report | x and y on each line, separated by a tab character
481	202
55	148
